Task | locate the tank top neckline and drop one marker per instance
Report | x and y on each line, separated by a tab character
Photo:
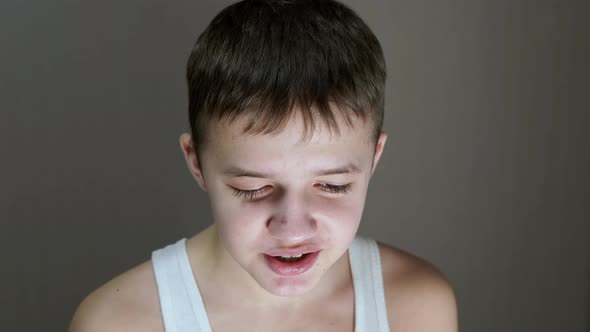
182	304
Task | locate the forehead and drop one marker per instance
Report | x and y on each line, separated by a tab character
228	143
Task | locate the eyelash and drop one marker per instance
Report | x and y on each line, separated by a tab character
252	194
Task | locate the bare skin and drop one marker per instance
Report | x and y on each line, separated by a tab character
417	295
294	208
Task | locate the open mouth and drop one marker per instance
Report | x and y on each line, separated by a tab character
291	259
291	265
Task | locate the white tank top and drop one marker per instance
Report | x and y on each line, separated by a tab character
183	309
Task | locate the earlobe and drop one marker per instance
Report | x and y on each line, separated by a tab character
192	161
378	150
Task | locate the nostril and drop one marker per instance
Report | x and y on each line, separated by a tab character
276	221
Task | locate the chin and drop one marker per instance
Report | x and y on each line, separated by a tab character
290	286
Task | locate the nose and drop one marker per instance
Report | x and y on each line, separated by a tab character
292	224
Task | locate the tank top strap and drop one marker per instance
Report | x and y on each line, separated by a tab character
369	296
180	300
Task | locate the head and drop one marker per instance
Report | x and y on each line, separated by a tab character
286	113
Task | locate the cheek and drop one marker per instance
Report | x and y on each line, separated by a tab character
352	204
241	218
237	222
342	216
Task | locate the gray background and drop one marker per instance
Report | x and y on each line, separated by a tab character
486	171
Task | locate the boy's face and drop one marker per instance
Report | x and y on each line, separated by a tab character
278	196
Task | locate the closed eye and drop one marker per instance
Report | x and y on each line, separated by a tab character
336	189
248	194
256	193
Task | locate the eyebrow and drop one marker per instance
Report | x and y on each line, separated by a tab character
236	172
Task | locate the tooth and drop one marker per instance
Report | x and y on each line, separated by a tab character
298	256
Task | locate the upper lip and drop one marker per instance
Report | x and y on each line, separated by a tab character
300	250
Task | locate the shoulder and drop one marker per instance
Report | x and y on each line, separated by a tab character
129	302
418	296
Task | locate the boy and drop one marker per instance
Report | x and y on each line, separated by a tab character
286	111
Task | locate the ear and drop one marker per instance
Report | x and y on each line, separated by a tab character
378	150
192	161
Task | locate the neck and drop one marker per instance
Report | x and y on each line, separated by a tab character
222	274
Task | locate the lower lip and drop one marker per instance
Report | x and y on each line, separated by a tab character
291	268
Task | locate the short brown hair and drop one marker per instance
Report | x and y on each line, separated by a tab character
268	58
